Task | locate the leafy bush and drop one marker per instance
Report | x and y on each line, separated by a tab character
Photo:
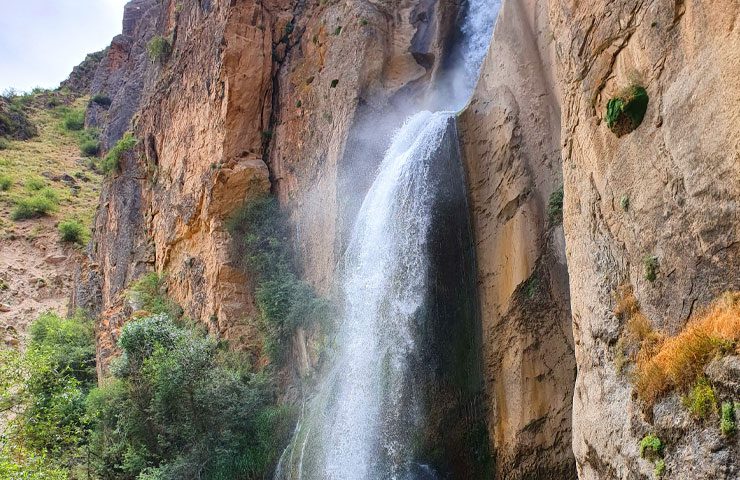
5	182
625	111
90	148
175	409
102	100
4	143
42	203
555	207
49	383
159	48
650	265
651	447
111	162
260	233
728	418
74	120
149	293
72	231
701	401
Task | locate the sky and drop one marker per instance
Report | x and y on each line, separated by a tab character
41	40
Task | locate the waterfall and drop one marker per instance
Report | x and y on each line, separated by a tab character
369	419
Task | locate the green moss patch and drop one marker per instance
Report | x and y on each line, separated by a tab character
625	111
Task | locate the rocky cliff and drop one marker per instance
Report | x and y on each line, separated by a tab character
250	98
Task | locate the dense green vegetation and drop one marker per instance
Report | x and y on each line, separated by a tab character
111	162
626	110
260	234
73	231
159	48
555	207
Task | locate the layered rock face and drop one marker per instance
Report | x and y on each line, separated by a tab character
679	172
510	142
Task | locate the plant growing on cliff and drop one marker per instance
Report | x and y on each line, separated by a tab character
159	48
659	469
651	447
112	161
650	266
102	100
149	294
72	231
177	407
555	207
700	400
626	110
261	236
678	361
727	425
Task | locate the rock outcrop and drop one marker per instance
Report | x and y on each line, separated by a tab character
679	172
510	141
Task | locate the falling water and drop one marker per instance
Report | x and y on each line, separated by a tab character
365	421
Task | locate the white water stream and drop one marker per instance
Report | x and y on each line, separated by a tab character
362	423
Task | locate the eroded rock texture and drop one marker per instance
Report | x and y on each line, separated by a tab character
510	140
680	171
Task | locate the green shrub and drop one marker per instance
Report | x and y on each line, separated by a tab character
74	120
659	469
624	202
34	184
175	409
112	160
102	100
261	237
727	425
72	231
650	265
90	148
159	48
625	111
5	182
150	293
555	207
334	83
701	401
42	203
4	143
651	447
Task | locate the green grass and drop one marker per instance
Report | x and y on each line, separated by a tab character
54	150
5	182
701	400
74	119
112	161
37	205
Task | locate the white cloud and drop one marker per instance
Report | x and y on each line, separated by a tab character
41	40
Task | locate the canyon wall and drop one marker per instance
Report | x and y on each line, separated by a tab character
510	140
679	172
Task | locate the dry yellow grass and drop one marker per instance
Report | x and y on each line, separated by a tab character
678	361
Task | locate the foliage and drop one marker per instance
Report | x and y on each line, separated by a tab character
651	447
74	119
175	409
34	184
727	425
659	469
555	207
90	148
678	361
701	401
625	111
45	389
149	293
5	182
650	265
38	204
260	233
102	100
72	230
112	160
334	83
624	202
159	48
4	143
